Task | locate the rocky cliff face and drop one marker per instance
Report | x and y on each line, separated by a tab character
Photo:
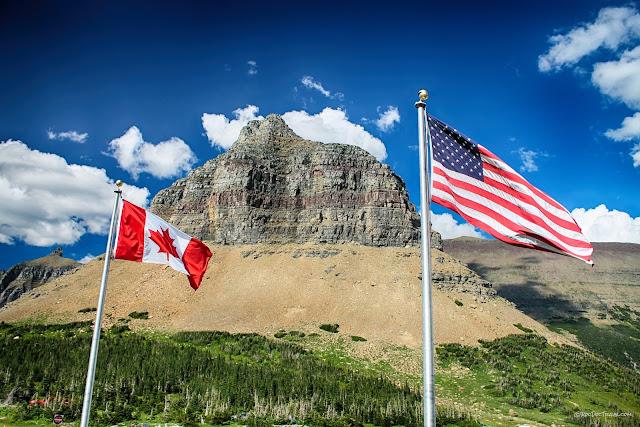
272	186
28	275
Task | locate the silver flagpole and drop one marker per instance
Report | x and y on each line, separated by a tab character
88	390
425	229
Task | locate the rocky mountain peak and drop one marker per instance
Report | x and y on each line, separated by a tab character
56	252
28	275
271	129
273	186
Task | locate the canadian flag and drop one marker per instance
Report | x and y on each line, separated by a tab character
144	237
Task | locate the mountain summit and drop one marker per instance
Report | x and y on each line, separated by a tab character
28	275
270	129
273	186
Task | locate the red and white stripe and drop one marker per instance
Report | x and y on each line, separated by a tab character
133	242
506	206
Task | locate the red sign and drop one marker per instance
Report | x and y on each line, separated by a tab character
57	419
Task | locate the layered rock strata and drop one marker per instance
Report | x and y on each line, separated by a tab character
274	187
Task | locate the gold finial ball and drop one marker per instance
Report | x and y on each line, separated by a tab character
119	183
423	95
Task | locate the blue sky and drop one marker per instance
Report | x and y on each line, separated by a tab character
146	91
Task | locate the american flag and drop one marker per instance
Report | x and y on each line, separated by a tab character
473	182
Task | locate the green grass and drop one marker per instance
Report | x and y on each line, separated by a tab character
625	314
542	383
522	328
611	342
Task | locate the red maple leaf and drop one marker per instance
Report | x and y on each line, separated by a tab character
165	242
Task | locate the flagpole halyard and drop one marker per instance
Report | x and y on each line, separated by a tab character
429	398
88	391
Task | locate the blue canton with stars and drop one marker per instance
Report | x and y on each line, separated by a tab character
454	150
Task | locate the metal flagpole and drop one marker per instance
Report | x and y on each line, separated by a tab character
88	391
425	229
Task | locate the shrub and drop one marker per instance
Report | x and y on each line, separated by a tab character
459	303
139	315
523	329
357	338
280	334
119	329
87	310
333	328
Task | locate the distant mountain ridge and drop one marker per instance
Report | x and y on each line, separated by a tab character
596	307
547	286
28	275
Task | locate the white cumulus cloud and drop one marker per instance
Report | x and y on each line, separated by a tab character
613	27
310	83
46	201
528	158
329	126
603	225
223	132
620	79
388	118
85	259
448	227
635	155
629	130
333	126
71	135
164	160
253	67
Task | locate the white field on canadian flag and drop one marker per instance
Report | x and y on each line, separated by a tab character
152	251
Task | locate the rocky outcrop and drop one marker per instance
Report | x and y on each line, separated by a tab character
272	186
452	275
28	275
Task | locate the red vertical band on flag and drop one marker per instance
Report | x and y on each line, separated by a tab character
133	246
195	259
131	233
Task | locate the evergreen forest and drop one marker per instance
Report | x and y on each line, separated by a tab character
193	378
217	378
